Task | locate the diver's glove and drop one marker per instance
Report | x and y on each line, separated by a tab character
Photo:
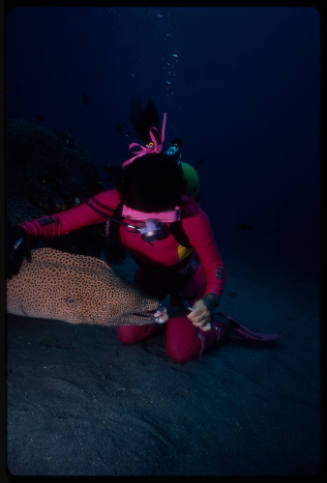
18	248
211	301
201	313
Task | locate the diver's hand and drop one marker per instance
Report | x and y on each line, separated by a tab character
200	316
18	248
202	310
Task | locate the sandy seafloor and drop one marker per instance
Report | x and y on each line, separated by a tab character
81	403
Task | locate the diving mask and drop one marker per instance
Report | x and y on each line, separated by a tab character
154	224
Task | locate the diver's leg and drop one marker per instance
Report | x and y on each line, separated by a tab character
184	341
130	334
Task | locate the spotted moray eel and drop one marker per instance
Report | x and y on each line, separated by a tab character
77	289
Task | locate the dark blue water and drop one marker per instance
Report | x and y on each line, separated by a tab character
241	87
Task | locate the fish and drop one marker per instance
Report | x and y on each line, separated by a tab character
78	289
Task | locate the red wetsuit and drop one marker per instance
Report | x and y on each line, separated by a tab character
165	266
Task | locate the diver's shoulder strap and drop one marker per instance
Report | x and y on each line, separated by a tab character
114	252
117	214
179	234
177	227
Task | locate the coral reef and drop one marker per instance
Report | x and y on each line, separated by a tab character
48	171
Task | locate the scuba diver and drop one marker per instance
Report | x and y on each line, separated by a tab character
154	215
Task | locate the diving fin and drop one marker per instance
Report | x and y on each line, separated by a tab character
236	332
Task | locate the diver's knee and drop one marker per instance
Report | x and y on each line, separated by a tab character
180	356
181	344
127	335
130	334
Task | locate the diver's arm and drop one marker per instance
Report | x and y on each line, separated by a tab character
93	211
201	237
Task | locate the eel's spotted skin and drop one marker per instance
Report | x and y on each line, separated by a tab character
77	289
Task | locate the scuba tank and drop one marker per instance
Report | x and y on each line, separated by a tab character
192	181
191	177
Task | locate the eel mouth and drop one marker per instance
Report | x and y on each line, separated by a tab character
144	315
158	315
